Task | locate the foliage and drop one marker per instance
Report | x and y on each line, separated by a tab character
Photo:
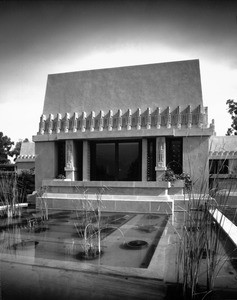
187	181
26	182
60	176
170	176
232	110
15	187
200	254
42	204
89	224
16	151
202	251
5	146
10	194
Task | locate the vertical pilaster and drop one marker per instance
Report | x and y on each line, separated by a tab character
148	118
200	116
74	122
70	160
129	119
101	121
92	121
168	118
144	159
160	157
58	123
138	119
120	119
86	161
66	122
158	118
189	114
179	121
110	121
42	124
50	123
83	122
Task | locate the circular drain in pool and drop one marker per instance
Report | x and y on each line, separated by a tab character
136	244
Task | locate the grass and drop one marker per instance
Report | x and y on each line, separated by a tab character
89	225
11	194
199	252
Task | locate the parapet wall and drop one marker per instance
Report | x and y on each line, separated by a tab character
187	118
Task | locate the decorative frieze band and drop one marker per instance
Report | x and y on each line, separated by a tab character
222	154
137	120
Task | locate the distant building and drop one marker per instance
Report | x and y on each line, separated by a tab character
122	127
223	161
26	159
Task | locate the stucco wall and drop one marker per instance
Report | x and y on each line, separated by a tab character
45	163
233	166
26	165
195	161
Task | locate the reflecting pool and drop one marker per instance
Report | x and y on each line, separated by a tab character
85	255
127	240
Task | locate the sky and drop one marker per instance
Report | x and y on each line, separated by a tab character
38	38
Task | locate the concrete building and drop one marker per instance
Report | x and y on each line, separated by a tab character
122	127
223	162
26	159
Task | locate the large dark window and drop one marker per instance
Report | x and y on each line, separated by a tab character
129	161
174	154
60	148
103	157
79	150
151	159
219	166
116	160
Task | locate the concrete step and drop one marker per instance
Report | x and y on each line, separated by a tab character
121	203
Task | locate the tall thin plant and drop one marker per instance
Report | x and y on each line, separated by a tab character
200	243
89	228
11	194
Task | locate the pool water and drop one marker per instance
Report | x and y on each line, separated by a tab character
127	240
40	258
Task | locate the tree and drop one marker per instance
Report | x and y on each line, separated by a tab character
232	110
5	146
17	149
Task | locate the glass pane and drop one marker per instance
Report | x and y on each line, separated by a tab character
174	154
61	158
219	166
129	162
151	160
105	161
79	149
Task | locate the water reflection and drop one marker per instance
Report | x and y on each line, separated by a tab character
39	255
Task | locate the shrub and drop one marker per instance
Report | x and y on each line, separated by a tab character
26	183
170	176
